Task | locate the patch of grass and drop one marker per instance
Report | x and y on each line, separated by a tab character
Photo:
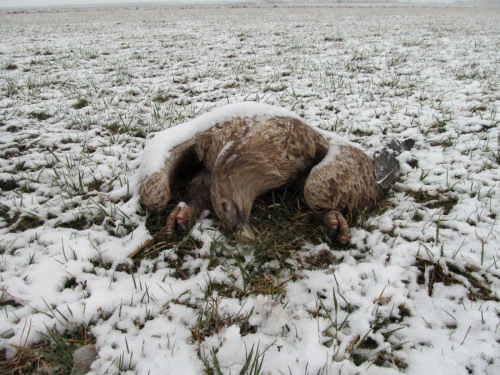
252	365
54	355
164	96
79	223
27	222
13	129
322	260
212	320
8	185
12	87
43	52
81	103
446	202
363	348
454	274
284	222
39	115
10	66
333	39
223	289
114	128
182	245
478	108
6	300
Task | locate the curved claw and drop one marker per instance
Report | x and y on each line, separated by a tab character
181	217
336	227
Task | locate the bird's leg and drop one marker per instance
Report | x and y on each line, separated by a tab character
182	217
336	227
197	198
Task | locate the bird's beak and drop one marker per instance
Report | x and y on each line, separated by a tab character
245	234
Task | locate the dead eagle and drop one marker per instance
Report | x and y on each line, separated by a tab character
233	154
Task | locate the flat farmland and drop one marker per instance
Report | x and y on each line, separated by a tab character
417	290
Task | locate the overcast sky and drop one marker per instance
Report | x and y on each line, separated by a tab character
25	3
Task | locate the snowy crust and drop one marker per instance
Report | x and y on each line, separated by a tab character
158	149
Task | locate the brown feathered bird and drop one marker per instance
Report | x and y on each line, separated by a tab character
232	155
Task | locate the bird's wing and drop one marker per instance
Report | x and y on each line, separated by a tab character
175	155
342	181
156	189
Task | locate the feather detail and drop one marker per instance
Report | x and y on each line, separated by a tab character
343	181
155	191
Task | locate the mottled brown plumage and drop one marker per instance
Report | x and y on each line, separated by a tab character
234	161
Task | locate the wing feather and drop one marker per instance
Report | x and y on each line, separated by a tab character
342	181
155	191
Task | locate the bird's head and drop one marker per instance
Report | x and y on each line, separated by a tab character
233	206
242	173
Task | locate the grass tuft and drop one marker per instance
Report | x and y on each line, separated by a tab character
54	355
81	103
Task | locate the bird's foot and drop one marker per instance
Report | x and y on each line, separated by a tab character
336	227
182	218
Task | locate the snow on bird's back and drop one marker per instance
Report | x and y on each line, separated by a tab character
158	149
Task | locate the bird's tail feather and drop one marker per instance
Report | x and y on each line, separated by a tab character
386	165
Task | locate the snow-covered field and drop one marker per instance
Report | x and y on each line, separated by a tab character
417	291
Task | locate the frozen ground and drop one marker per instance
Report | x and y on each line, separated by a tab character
416	292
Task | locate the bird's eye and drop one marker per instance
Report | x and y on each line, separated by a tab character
225	206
